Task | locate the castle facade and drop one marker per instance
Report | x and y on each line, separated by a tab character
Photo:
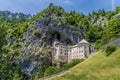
66	53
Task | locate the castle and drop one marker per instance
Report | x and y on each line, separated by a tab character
66	53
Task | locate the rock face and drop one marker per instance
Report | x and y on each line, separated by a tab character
29	66
101	21
118	15
42	33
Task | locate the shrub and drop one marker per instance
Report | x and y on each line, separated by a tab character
76	61
36	76
5	49
67	66
73	63
109	50
50	70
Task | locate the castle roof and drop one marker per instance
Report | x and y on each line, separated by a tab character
83	41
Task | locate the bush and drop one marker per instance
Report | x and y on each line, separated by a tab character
51	70
76	61
73	63
67	66
109	50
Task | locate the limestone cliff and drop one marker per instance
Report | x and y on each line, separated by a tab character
40	35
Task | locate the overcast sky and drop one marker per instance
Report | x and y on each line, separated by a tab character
35	6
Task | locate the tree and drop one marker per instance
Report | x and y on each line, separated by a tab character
117	9
113	28
3	30
51	5
94	33
101	12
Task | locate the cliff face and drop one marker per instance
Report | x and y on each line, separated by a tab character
41	34
100	20
37	40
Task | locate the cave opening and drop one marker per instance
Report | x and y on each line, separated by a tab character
61	38
56	35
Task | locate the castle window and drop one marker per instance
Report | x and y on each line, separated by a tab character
65	53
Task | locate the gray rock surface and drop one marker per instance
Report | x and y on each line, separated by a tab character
101	21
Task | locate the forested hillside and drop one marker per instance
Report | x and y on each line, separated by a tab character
25	41
10	24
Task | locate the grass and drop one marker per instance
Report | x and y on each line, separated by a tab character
96	67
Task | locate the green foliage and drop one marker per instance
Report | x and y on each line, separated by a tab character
110	14
101	12
5	49
74	18
113	27
73	63
112	31
3	30
36	76
117	9
66	66
10	27
76	61
109	50
8	70
43	67
50	70
94	33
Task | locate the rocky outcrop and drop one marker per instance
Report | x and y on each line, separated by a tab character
118	15
100	20
42	33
